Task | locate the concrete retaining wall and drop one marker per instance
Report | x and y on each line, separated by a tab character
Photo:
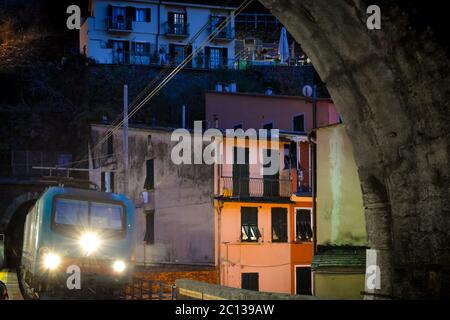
193	290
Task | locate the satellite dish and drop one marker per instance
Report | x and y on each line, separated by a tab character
307	91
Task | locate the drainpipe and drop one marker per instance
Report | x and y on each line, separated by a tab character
159	25
314	168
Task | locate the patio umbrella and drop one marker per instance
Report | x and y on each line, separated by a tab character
283	46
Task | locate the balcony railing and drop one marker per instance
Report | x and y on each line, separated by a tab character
119	24
176	29
226	34
264	188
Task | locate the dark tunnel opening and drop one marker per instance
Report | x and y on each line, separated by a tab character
14	235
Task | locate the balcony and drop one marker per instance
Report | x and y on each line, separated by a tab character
255	188
177	30
119	24
226	34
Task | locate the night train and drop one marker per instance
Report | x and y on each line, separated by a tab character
70	230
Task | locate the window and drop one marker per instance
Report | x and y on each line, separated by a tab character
216	57
106	216
249	224
84	214
71	212
140	15
177	23
303	225
150	177
143	15
299	123
150	227
107	184
303	280
250	281
110	145
279	225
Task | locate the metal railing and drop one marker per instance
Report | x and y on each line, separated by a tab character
119	24
270	188
226	34
142	289
176	29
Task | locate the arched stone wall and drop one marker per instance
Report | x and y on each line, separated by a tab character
15	205
391	88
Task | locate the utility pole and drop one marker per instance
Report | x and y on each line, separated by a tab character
125	139
183	116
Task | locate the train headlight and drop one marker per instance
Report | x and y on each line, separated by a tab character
51	261
89	242
119	266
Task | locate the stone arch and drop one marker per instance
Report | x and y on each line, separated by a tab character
15	205
391	88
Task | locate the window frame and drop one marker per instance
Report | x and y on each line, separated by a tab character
149	239
149	184
304	122
286	211
250	274
252	228
71	231
312	277
296	239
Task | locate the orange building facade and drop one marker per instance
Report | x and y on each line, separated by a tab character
264	223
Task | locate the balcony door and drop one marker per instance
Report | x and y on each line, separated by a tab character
177	22
119	18
271	181
216	57
120	52
241	174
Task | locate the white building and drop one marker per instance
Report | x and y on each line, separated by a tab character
157	32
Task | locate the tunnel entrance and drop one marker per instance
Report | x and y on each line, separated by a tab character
14	235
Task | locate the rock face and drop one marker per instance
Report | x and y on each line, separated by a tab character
391	88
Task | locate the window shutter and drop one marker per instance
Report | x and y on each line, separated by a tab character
225	54
112	181
148	15
150	227
131	13
171	17
110	11
133	47
147	48
103	184
150	179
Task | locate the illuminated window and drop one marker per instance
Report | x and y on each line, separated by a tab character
303	225
249	224
279	225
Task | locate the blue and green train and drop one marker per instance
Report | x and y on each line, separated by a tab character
78	242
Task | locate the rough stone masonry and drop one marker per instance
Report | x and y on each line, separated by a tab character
391	88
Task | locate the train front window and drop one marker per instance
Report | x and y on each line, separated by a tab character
73	215
106	216
71	212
